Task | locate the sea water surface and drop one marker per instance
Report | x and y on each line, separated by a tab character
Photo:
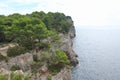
99	53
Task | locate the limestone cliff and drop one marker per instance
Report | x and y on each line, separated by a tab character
24	60
67	43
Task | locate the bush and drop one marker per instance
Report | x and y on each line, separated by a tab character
14	76
15	67
60	60
34	71
18	77
35	66
65	26
44	56
35	58
3	77
28	43
27	78
54	69
11	75
44	45
15	51
49	77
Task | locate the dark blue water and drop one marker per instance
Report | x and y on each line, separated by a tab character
99	54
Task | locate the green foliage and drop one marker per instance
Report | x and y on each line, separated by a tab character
15	51
45	56
35	58
18	77
65	25
60	57
26	42
15	67
37	30
27	78
33	31
35	66
26	29
36	24
2	36
44	45
14	76
11	75
54	68
3	77
57	21
34	71
49	77
60	60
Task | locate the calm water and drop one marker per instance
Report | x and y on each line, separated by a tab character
99	54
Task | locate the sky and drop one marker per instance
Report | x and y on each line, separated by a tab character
83	12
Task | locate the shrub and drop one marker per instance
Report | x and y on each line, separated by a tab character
34	71
44	45
15	67
60	60
14	76
49	77
27	78
44	56
17	77
35	58
15	51
35	66
54	69
11	75
3	77
28	43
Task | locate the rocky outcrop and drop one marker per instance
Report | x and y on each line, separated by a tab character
66	46
4	48
24	60
67	43
3	71
64	74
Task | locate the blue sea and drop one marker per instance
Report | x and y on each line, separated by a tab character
99	53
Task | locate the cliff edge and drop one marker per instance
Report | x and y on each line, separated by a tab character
37	48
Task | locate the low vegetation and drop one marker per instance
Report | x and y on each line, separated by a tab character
15	67
49	77
59	61
15	51
3	77
14	76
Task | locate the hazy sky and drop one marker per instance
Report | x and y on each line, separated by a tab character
83	12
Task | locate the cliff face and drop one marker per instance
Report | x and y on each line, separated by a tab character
66	46
67	43
64	74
